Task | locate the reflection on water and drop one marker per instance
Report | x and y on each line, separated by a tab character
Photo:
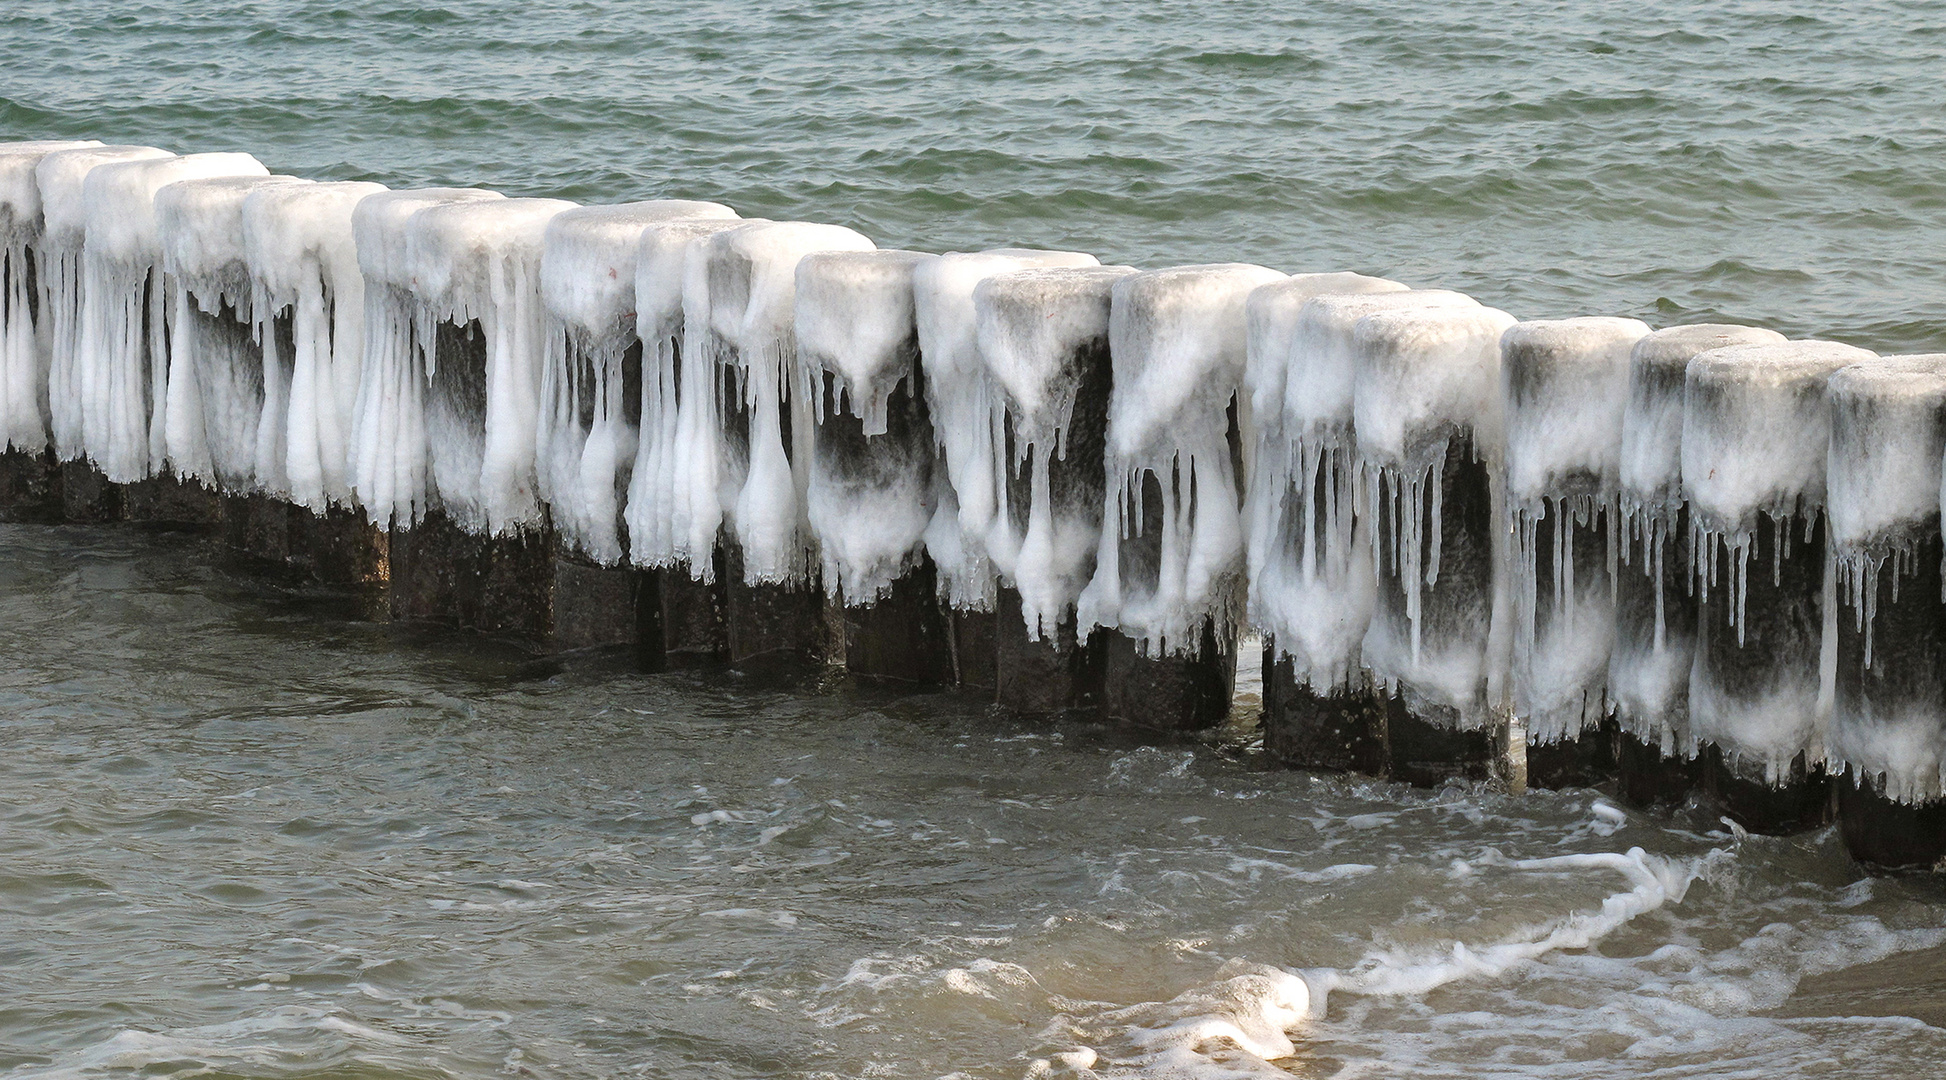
242	833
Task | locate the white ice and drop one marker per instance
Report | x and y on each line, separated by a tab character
867	505
586	442
1177	339
957	398
224	402
1037	332
300	251
26	339
1565	383
1425	377
387	455
679	453
1648	673
121	367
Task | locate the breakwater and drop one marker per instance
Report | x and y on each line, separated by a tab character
1550	551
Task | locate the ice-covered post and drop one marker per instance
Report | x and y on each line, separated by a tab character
1887	740
1309	558
756	462
1168	588
678	452
30	488
1655	605
1042	338
1756	428
1565	386
871	493
1430	433
590	415
223	406
956	395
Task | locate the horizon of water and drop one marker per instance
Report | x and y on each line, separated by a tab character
244	834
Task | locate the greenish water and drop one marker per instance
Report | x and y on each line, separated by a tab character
1780	163
243	834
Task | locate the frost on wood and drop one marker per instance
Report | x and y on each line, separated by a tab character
1430	435
590	384
748	352
1888	433
1655	607
1756	428
388	435
307	292
1042	337
1170	559
228	383
26	333
1565	384
956	395
674	503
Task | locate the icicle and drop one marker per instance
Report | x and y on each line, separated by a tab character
26	329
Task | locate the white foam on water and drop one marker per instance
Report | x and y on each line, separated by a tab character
674	507
1565	383
59	178
585	441
1038	333
1648	672
957	396
856	333
1178	341
301	253
1883	476
1425	377
224	404
280	1039
26	337
387	455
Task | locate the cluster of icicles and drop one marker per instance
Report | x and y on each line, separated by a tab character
657	379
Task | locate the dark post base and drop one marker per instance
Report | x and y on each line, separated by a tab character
1342	731
496	585
1427	755
519	586
338	547
88	497
258	528
598	605
30	488
1167	693
1802	802
1583	761
770	626
1646	780
902	637
975	649
1056	674
1885	835
691	623
170	501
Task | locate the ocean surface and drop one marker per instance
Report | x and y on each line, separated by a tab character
245	834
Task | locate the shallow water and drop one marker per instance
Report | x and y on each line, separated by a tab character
1768	162
244	834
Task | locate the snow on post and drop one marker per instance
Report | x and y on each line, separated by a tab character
748	278
1565	385
59	179
956	394
26	333
1042	337
475	278
1170	561
122	366
870	492
1430	435
224	403
679	449
587	426
300	252
1756	429
1888	433
1655	607
388	435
